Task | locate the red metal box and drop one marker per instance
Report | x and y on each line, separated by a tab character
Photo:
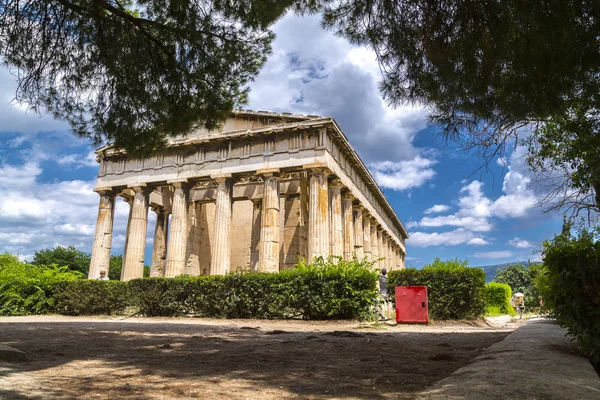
411	304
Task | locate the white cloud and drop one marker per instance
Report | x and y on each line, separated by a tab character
478	242
320	74
471	223
15	117
453	238
403	175
494	254
520	243
438	208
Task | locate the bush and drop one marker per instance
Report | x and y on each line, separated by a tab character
455	291
571	285
86	297
323	290
497	299
28	289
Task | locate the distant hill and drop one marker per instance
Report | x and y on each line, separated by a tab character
490	270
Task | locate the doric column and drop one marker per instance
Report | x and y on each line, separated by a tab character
159	250
255	236
336	221
367	235
103	238
318	214
385	255
380	249
178	234
347	199
374	243
270	223
194	236
133	264
358	231
221	243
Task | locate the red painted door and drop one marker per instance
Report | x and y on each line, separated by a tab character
411	304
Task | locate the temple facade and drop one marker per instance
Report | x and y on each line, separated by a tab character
258	193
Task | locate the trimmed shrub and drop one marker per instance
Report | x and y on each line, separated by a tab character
455	291
571	285
86	297
323	290
28	289
497	299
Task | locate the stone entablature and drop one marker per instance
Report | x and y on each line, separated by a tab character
252	155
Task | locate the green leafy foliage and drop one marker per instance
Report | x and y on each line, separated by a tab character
488	69
326	289
116	265
516	276
497	299
28	289
90	297
455	291
571	285
70	257
135	73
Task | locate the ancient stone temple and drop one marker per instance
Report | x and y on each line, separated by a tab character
262	191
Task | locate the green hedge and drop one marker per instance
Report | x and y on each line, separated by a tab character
28	289
455	291
85	297
323	290
571	285
497	298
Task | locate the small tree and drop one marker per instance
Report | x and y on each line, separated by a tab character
116	264
516	276
73	259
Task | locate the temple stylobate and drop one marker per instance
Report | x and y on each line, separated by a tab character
258	193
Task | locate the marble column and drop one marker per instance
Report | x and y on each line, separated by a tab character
318	214
255	235
270	223
129	201
336	230
103	238
380	249
194	237
347	199
136	235
178	234
221	245
358	231
159	250
374	243
367	236
385	255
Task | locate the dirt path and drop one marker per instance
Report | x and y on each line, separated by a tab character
242	359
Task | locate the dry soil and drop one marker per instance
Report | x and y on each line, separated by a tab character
141	358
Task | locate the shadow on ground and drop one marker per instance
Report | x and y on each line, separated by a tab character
158	360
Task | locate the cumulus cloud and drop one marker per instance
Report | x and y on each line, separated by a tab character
403	175
520	243
36	215
318	73
438	208
452	238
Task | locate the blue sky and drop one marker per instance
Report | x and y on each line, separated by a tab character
47	175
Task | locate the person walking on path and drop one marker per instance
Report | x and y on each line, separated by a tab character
383	295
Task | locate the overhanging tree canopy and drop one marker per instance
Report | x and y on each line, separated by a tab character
493	72
133	73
